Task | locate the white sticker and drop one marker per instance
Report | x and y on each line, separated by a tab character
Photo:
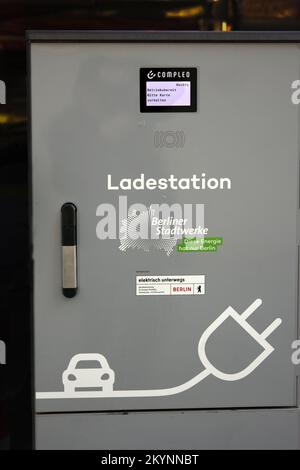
170	285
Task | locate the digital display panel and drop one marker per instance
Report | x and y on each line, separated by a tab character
168	93
168	90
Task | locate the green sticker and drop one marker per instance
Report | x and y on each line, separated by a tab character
203	245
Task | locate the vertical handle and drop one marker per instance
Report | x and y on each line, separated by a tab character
69	249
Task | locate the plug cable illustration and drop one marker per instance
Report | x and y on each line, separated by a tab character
241	319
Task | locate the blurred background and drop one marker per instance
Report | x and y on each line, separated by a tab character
17	16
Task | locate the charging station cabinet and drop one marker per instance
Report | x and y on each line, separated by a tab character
165	212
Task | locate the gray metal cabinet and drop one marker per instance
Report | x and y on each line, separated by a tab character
136	130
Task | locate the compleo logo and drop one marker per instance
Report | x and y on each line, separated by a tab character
171	74
151	75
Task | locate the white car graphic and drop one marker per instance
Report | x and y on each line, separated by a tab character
78	380
88	371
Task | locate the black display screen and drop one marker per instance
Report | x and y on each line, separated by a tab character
168	90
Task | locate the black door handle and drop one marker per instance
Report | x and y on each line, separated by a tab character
69	249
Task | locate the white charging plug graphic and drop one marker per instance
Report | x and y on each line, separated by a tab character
241	319
209	368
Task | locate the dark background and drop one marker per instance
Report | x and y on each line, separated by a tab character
17	16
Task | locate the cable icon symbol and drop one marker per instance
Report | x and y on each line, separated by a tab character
209	368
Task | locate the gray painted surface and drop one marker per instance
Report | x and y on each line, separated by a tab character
162	36
85	124
259	429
